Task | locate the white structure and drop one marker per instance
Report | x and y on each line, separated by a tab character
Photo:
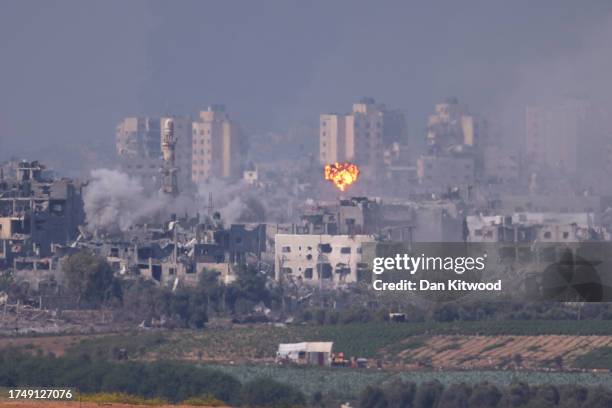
316	353
310	258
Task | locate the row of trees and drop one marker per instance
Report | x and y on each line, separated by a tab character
91	279
484	395
177	382
173	382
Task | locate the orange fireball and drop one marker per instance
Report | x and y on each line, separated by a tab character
342	174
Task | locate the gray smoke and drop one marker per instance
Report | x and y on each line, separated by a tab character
115	201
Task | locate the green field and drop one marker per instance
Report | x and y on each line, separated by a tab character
369	340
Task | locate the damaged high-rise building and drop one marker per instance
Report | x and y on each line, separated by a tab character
139	147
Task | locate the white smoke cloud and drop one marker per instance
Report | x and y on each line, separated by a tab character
115	201
228	198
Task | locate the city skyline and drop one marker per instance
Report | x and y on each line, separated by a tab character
153	59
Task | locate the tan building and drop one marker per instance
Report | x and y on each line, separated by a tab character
182	155
360	136
217	145
451	124
138	143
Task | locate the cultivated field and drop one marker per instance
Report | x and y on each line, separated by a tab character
469	345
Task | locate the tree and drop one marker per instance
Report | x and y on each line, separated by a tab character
209	284
400	394
518	394
428	394
455	396
265	392
90	277
484	396
372	397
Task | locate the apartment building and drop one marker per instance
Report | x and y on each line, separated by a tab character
217	146
360	136
138	144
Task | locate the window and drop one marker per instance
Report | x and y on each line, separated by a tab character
345	250
478	232
286	271
547	235
565	235
308	273
325	248
286	249
325	270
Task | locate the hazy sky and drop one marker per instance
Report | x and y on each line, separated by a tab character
69	70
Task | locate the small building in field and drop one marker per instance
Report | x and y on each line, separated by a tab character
307	353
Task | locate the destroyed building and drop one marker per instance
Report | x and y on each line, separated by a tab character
37	212
309	258
387	219
533	227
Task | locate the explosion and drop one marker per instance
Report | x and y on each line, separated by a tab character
342	174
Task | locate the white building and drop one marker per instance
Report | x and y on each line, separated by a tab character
315	353
309	258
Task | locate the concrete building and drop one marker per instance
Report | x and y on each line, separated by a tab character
360	136
560	203
138	143
217	146
452	124
532	227
313	258
37	212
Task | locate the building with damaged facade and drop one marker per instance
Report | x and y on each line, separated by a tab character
37	212
533	227
390	219
313	258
